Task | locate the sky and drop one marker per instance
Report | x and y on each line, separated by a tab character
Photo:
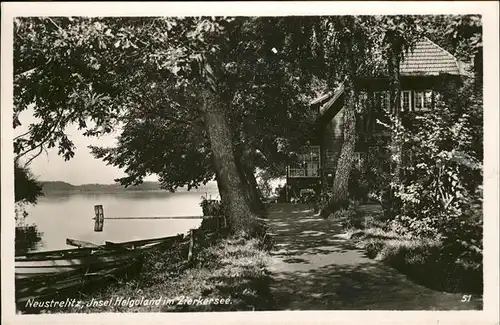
83	168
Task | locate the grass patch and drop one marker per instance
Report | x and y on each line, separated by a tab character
426	261
231	270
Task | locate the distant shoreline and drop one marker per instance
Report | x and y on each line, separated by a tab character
58	187
51	192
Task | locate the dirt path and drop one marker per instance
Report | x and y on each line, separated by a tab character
314	268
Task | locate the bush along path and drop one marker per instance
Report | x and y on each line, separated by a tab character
314	266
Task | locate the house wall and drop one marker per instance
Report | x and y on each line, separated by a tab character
332	133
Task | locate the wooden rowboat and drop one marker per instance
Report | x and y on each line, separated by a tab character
45	273
82	259
69	262
55	285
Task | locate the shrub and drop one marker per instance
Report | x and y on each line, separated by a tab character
211	207
440	164
412	227
359	185
264	185
429	166
372	247
350	216
324	198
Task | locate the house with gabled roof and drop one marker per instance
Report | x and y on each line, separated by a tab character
424	71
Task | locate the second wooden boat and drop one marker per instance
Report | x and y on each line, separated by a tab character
48	273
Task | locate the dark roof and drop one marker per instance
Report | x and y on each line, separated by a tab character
321	98
326	102
332	98
429	59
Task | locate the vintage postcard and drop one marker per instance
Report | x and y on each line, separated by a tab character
266	162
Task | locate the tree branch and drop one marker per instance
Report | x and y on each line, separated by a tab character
26	72
34	156
22	135
55	24
42	142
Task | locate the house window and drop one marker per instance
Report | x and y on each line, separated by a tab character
423	100
308	164
406	100
382	99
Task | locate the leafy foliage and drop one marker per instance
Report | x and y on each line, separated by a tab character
211	207
26	188
27	237
141	75
443	167
438	155
439	192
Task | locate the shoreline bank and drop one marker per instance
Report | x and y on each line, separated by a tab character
224	274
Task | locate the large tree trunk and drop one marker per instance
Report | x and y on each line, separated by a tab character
251	187
340	191
395	99
393	63
223	190
394	83
344	164
230	184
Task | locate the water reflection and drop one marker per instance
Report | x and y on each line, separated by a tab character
27	239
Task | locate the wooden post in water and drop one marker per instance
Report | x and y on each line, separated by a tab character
191	244
99	218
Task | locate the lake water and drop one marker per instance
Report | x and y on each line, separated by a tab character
70	216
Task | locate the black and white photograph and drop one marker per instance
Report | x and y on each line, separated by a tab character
252	163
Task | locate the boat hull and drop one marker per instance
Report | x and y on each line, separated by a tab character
29	268
44	274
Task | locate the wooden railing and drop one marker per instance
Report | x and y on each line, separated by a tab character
220	226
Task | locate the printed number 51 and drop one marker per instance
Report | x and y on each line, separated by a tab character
466	298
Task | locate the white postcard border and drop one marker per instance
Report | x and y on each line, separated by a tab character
489	12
